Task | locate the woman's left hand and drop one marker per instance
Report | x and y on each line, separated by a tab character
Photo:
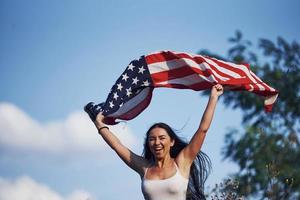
217	90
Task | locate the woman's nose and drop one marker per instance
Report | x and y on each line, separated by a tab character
157	141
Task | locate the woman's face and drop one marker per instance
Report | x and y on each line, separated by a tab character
160	142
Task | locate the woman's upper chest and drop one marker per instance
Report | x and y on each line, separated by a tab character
157	173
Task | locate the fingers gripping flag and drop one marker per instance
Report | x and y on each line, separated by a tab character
132	92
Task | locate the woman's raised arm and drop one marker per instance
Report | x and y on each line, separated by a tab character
190	152
134	161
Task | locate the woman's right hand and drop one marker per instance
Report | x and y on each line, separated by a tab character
99	122
217	90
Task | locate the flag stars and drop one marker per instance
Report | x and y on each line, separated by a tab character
146	83
135	80
116	95
128	92
131	66
111	105
120	87
124	77
141	70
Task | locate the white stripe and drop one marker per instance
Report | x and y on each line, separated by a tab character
189	80
251	88
133	102
271	99
261	87
165	65
272	89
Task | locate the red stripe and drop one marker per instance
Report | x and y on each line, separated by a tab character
160	57
241	87
268	108
237	81
171	74
164	56
203	85
255	90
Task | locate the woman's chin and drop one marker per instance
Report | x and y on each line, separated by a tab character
159	156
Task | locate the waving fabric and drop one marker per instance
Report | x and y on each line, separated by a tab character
132	92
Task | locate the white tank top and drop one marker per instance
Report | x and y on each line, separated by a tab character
173	188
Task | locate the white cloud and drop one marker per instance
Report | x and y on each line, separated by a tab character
26	188
76	133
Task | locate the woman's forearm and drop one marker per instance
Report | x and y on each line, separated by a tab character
106	134
109	138
134	161
208	114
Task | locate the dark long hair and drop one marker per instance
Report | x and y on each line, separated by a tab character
200	168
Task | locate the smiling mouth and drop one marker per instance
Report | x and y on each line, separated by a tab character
158	149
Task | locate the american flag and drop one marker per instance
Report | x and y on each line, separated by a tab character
132	92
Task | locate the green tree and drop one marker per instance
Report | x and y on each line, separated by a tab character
267	149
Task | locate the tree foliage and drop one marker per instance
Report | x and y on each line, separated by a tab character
267	150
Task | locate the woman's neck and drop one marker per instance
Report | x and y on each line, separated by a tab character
164	162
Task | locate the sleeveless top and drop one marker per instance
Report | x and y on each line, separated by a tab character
173	188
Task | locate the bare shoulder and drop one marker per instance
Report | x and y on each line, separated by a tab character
145	164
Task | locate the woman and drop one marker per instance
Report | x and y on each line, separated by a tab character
167	164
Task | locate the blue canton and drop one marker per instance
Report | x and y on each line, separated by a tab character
132	81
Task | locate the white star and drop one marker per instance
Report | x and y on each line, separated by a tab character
111	105
124	77
135	80
131	66
119	86
141	70
121	105
116	95
128	92
146	83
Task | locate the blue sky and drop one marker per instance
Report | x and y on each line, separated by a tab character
55	56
